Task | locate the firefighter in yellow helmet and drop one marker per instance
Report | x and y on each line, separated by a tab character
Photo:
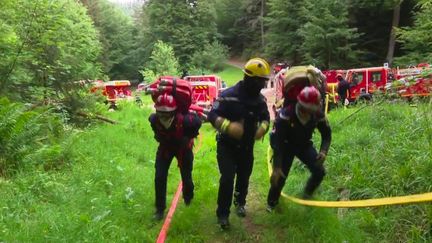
240	115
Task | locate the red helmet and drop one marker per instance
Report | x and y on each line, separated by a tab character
165	103
310	98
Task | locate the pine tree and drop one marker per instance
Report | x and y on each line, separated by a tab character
417	40
328	41
283	20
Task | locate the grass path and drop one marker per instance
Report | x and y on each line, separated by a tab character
106	194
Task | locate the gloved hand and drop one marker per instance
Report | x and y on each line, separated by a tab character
321	157
346	102
233	129
276	175
261	131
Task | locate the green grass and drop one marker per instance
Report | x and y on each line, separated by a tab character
107	193
231	74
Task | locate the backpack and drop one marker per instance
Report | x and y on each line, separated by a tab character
180	89
298	77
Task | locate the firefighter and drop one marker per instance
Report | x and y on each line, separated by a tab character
291	136
175	133
240	115
342	89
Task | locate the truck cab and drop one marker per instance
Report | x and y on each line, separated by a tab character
366	81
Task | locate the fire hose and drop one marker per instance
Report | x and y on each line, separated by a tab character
416	198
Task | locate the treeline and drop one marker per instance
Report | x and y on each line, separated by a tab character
47	45
328	34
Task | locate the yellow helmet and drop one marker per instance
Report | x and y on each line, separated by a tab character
257	67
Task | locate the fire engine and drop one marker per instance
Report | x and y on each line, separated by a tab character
366	81
118	90
412	81
205	89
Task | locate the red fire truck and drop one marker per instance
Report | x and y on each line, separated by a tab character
405	82
118	90
365	81
413	81
205	89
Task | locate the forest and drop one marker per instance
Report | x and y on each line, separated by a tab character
66	175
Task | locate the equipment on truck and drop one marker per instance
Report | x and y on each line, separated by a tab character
205	89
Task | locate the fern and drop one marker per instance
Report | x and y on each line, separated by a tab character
28	137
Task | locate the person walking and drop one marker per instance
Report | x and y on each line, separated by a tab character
291	137
343	90
175	132
240	115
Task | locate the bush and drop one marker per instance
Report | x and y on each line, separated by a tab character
212	57
29	137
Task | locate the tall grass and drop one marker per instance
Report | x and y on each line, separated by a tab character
106	193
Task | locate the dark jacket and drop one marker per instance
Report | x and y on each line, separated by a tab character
343	88
288	129
184	128
235	105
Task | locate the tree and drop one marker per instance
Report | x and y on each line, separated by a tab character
211	57
54	43
283	20
328	40
417	40
186	25
162	62
116	35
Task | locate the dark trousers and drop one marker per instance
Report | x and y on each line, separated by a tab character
342	98
284	156
234	162
164	156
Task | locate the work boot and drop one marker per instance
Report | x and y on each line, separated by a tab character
307	196
158	215
224	222
187	201
270	208
241	211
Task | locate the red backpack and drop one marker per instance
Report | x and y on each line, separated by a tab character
180	89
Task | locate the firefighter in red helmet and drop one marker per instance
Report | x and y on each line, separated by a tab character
175	132
291	136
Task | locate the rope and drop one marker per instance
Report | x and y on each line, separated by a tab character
417	198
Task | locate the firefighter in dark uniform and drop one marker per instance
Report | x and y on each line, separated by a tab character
241	117
291	136
175	132
342	89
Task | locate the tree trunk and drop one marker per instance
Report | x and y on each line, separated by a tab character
392	39
262	24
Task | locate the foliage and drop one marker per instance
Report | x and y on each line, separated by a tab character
228	14
53	44
186	25
417	39
116	35
108	190
328	41
162	62
283	20
212	57
29	137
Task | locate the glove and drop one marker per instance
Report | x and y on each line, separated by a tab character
232	129
261	131
235	130
321	157
346	102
